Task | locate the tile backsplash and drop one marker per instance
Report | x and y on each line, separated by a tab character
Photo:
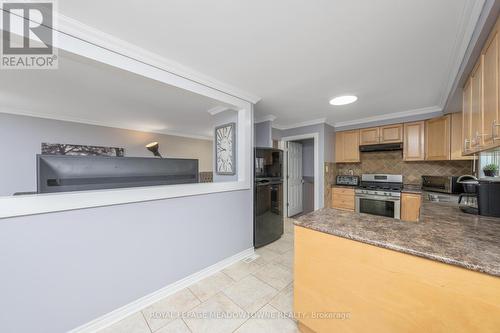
392	163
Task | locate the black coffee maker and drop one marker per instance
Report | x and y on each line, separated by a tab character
468	201
488	196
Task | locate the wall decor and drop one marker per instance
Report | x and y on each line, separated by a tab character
80	150
225	152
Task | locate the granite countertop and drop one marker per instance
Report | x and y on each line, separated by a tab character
444	234
415	189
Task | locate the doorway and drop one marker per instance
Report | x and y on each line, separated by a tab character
301	174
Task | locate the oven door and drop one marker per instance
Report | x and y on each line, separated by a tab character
378	205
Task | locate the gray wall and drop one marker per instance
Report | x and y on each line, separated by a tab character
308	175
21	138
307	157
62	270
326	147
223	118
263	134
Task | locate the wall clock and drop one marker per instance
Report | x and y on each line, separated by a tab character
225	142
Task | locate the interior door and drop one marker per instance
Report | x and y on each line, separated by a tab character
294	178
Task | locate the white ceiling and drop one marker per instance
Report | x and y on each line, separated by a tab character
395	55
87	91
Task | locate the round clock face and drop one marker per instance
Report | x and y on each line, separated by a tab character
224	142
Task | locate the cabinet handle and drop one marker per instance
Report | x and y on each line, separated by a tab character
466	141
494	130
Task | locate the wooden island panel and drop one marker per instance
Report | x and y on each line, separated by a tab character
387	291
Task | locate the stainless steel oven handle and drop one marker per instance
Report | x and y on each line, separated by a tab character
378	197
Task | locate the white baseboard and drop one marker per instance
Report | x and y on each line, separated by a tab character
143	302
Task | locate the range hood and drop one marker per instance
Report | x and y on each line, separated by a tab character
381	147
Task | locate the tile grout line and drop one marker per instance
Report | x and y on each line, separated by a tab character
147	324
189	328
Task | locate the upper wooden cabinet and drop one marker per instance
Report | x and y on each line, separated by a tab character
490	90
382	134
391	133
467	119
369	136
347	146
457	140
481	99
476	106
437	138
414	136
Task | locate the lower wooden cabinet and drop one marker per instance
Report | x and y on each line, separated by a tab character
410	206
343	198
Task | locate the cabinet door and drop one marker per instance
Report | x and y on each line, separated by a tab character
476	106
369	136
351	146
391	133
414	149
410	207
456	137
437	139
490	89
339	147
467	118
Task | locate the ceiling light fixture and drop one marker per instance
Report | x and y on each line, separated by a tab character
343	100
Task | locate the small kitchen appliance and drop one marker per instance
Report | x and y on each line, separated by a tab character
347	180
468	199
442	184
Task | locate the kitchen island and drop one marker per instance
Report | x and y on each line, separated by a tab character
356	272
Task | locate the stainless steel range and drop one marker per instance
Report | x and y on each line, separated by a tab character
379	194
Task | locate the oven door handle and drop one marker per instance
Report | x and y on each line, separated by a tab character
379	197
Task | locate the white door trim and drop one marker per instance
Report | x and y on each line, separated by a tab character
295	178
317	167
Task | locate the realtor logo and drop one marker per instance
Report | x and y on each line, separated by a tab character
27	35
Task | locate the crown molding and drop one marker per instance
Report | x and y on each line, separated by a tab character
99	38
301	124
218	109
460	50
262	119
389	116
20	112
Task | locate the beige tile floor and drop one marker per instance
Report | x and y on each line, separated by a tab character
245	297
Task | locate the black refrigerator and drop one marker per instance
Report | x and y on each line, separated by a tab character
268	196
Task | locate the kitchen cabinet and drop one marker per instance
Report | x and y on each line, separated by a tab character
369	136
391	133
481	99
410	206
343	198
347	146
467	118
382	134
414	147
437	138
476	106
382	290
490	91
457	138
